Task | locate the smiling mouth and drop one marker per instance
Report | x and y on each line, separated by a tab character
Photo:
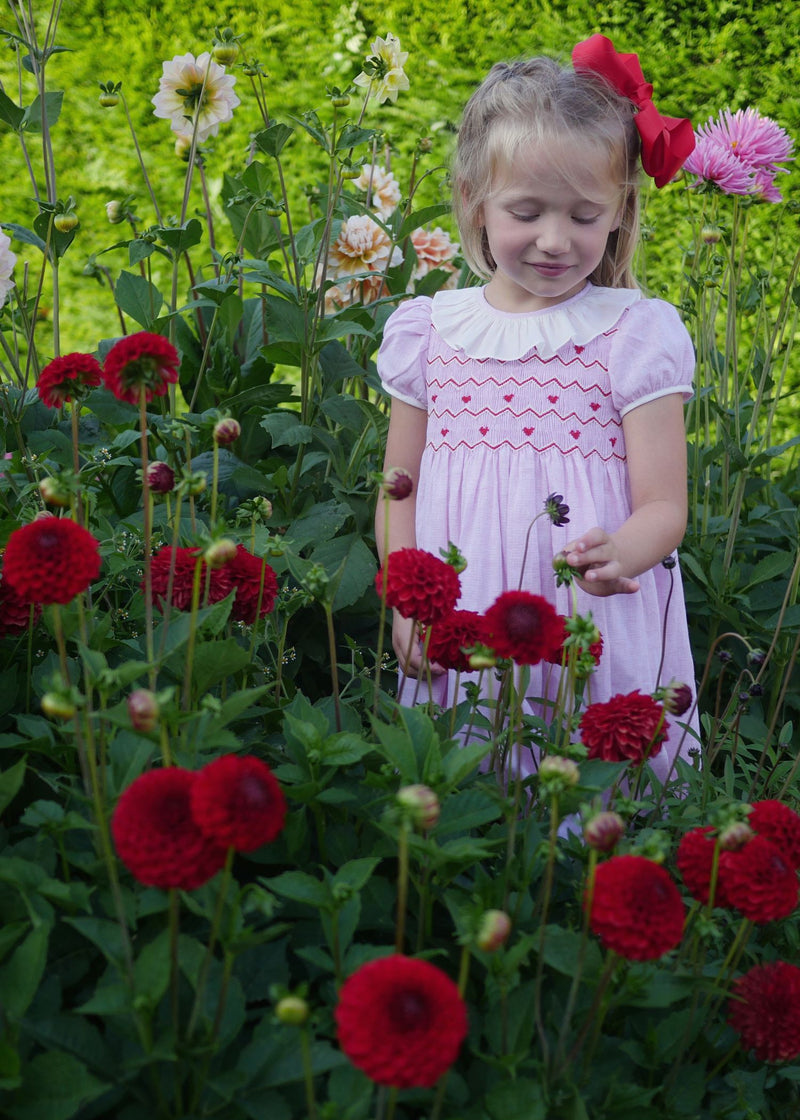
550	269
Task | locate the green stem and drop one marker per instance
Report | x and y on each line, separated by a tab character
308	1073
402	885
216	922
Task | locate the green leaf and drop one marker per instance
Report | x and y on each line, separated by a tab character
138	298
10	113
152	970
351	136
11	783
516	1100
562	952
21	974
55	1086
358	567
285	321
32	120
26	236
300	887
181	238
356	873
421	217
214	661
272	138
319	524
285	429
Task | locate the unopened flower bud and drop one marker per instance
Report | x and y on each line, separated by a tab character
143	709
482	658
735	836
316	581
58	705
397	483
565	573
493	931
756	658
421	804
115	211
711	234
227	431
263	506
677	698
220	552
109	94
65	222
183	147
196	482
425	144
292	1010
160	477
54	492
557	774
603	830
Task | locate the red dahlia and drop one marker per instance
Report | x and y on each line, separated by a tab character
64	378
156	836
15	612
182	562
765	1010
246	573
419	585
695	861
781	825
758	881
523	626
451	635
401	1021
636	908
627	728
140	361
556	655
238	803
51	561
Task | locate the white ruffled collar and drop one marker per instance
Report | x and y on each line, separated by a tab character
466	320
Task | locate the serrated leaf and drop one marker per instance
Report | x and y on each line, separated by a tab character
137	297
32	120
55	1086
300	887
272	139
356	873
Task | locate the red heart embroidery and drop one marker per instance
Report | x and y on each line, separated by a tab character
613	440
466	399
483	431
574	434
578	349
508	397
552	399
594	406
527	431
445	431
434	396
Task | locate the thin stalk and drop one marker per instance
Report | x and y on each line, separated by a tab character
402	885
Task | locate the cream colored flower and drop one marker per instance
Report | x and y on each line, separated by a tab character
383	188
362	246
7	262
383	69
362	291
181	96
434	249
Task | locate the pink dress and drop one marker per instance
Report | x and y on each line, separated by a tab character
523	405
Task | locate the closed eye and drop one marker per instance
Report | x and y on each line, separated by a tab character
585	221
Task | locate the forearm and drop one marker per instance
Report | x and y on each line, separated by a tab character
653	531
395	525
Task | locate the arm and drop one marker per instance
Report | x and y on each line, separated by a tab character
656	452
395	521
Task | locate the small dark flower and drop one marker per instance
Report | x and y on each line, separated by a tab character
227	431
160	477
397	484
669	563
556	509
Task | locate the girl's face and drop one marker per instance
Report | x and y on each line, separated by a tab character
547	222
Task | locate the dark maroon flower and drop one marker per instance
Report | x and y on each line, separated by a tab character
160	477
522	626
15	612
588	651
51	560
182	563
781	825
256	586
238	803
765	1010
695	861
636	908
419	585
67	377
401	1021
451	635
626	728
140	361
156	836
758	881
398	484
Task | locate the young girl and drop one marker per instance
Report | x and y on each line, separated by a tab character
555	376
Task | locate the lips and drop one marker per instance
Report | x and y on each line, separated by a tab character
550	270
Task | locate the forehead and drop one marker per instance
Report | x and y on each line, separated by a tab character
556	167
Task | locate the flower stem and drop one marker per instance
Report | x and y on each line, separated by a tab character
147	533
402	886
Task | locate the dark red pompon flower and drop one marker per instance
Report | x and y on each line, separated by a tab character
695	861
523	626
451	635
15	612
66	378
51	560
256	586
156	836
765	1010
759	881
626	728
419	585
238	803
182	563
140	361
637	909
401	1021
781	825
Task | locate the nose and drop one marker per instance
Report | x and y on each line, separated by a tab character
553	235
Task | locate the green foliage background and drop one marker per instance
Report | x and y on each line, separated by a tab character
701	57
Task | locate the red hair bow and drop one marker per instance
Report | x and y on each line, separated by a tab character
667	142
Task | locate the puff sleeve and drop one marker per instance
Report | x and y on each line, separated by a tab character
402	357
651	356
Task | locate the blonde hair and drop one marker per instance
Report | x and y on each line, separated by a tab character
537	101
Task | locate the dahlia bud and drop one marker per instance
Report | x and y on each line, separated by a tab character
219	553
316	581
226	47
339	98
227	431
603	830
493	931
711	234
109	94
425	144
421	804
183	147
735	836
292	1010
564	571
676	697
143	709
54	492
115	212
196	482
482	658
263	506
66	222
756	658
160	477
557	774
397	483
453	556
58	705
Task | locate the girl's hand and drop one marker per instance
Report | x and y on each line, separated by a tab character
596	559
402	631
